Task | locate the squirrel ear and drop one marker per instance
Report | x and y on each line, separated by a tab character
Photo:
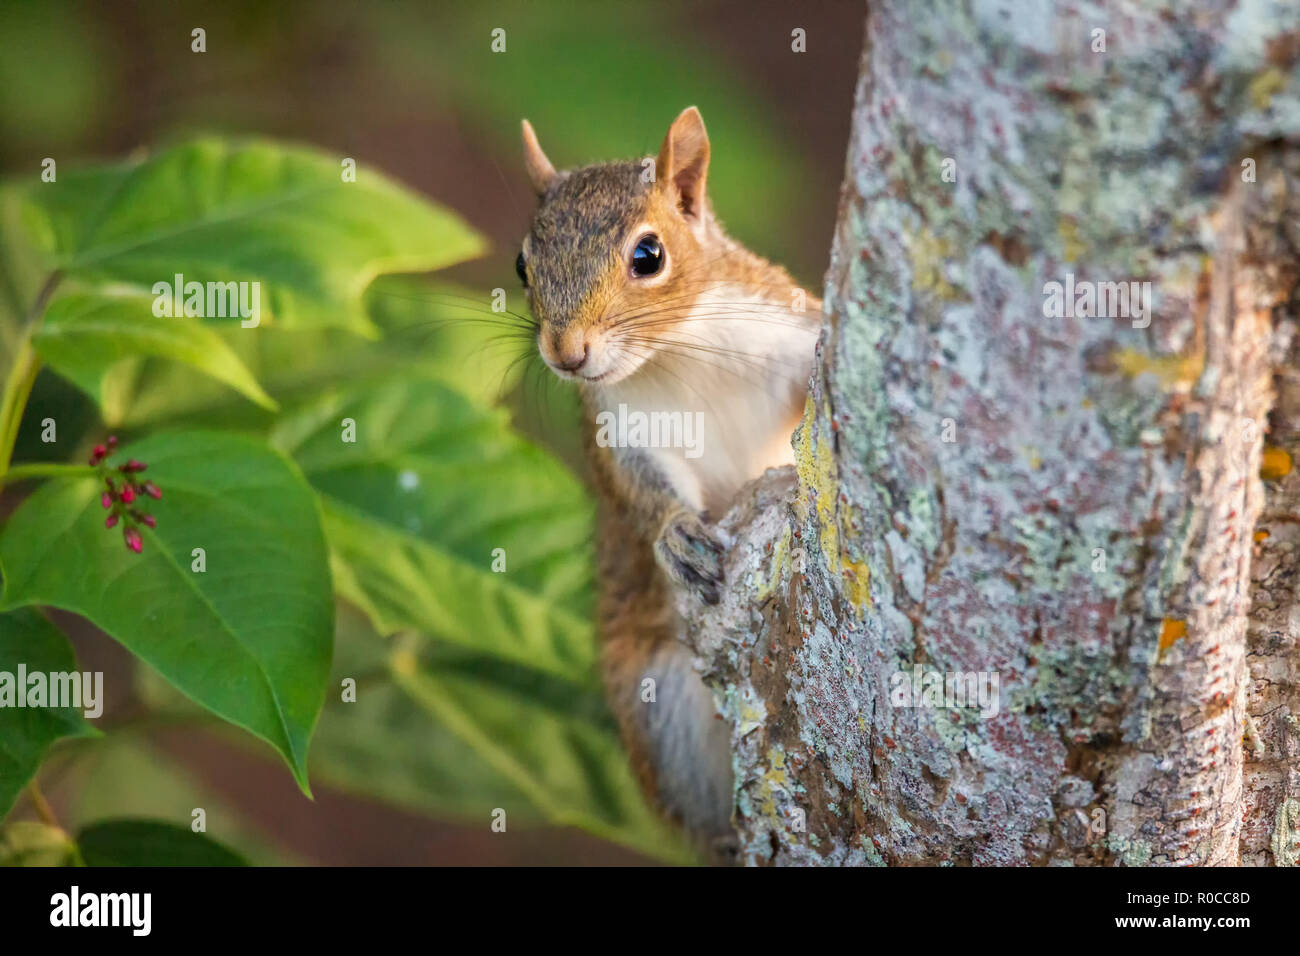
540	170
684	161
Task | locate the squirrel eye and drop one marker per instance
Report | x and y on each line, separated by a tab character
648	256
519	268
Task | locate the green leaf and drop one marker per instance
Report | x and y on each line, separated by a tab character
22	274
249	638
150	843
213	210
28	639
554	740
85	336
383	746
449	732
128	775
449	332
432	330
431	493
413	510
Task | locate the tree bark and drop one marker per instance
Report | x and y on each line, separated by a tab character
1067	503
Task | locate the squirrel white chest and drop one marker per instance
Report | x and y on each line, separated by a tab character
717	403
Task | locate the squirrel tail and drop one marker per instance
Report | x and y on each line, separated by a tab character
680	747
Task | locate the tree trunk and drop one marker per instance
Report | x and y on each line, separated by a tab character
991	489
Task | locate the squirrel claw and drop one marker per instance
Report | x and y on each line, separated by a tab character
691	556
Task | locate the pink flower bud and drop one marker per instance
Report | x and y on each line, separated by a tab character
133	539
97	454
110	521
134	465
152	490
149	520
112	441
127	495
106	500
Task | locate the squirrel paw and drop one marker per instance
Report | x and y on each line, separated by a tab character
691	555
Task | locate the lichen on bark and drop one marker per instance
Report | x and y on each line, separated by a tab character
1068	503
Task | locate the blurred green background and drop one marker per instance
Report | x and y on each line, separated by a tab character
412	89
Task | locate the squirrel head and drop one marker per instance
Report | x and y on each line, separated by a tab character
617	253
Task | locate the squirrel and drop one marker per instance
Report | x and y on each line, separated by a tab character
642	299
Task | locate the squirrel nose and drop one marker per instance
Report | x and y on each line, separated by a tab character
570	360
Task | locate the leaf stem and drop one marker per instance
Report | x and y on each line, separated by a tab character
22	376
48	469
42	806
17	389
